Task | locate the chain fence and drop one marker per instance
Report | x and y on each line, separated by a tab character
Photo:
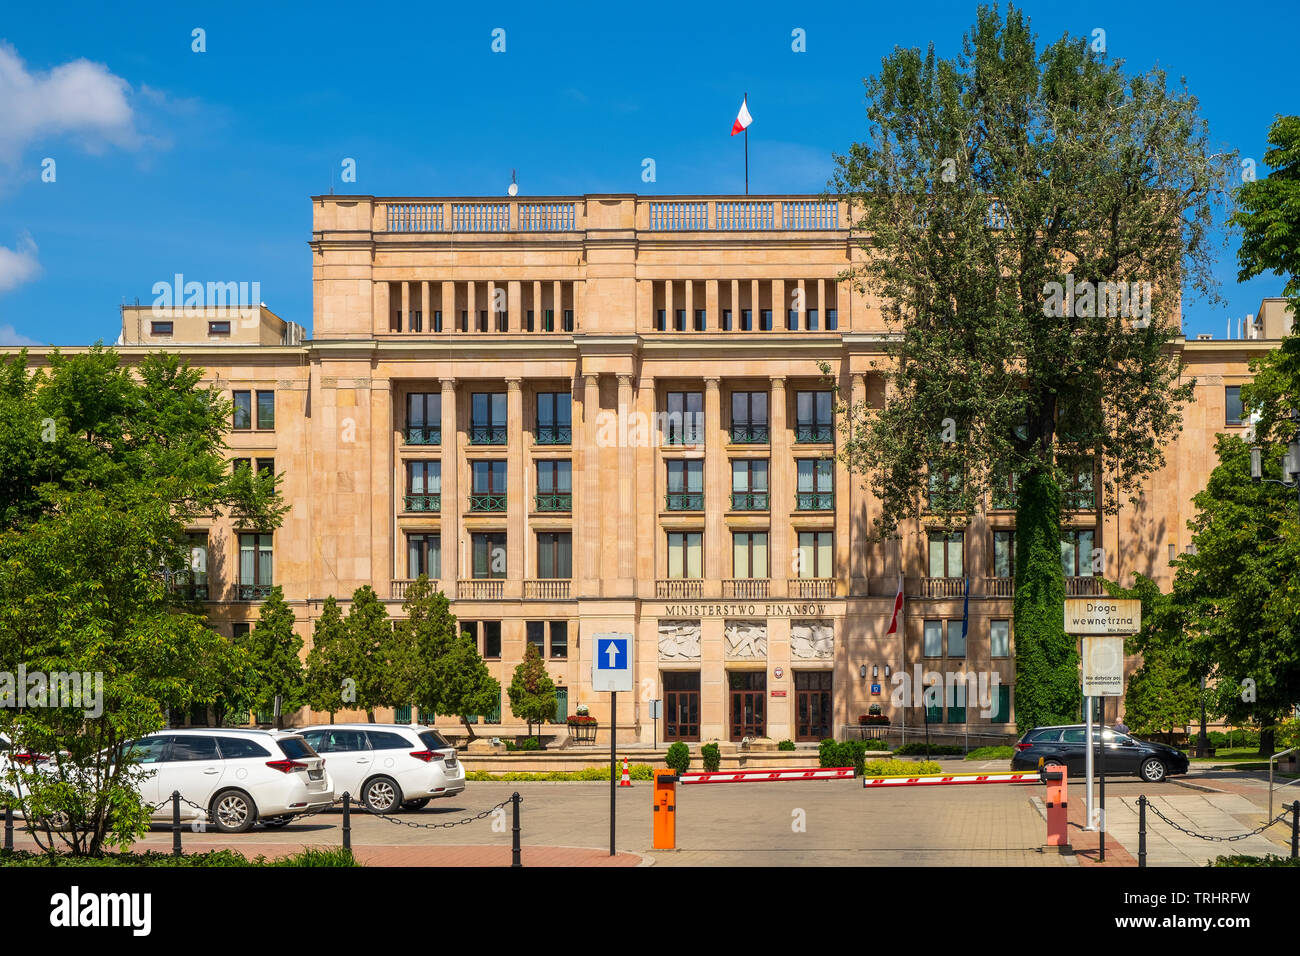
1144	804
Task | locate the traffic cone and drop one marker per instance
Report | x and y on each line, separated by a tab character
626	780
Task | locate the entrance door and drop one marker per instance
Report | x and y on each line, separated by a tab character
748	703
681	705
812	701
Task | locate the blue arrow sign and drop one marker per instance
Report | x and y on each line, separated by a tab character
611	664
612	654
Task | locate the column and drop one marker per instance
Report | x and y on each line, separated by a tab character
712	313
379	571
802	314
471	304
735	306
449	521
450	312
756	311
821	303
516	490
557	296
690	304
515	304
537	305
492	305
668	305
714	488
648	541
780	321
381	317
626	495
851	543
404	320
781	484
590	518
426	310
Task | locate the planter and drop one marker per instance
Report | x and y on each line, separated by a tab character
584	733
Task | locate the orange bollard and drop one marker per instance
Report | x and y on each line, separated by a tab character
665	810
1058	813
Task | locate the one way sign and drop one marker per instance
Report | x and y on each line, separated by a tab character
611	665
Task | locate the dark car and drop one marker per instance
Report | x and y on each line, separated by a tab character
1125	755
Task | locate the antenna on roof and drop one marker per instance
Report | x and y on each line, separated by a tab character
513	190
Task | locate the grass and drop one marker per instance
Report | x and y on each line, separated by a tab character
992	753
312	856
636	771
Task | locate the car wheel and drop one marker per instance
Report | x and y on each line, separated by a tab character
1153	771
233	811
416	804
274	823
381	795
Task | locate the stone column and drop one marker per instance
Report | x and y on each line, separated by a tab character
449	520
851	524
516	491
557	294
381	318
781	483
589	520
715	491
626	495
712	313
404	320
690	305
780	320
755	306
426	307
735	306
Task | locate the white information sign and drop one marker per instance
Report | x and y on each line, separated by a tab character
1103	666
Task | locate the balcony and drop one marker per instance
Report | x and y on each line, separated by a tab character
487	502
254	592
553	435
423	435
480	217
487	434
812	587
749	501
755	434
481	589
680	588
422	503
547	589
554	501
1085	586
398	587
190	592
675	436
749	588
814	501
1000	587
943	587
685	501
805	434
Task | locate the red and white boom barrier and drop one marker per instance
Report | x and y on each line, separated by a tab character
767	776
944	779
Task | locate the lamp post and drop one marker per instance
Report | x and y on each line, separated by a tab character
1290	465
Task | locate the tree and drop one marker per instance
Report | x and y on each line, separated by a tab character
276	669
1269	210
102	470
1028	221
1162	694
327	663
368	633
468	688
532	693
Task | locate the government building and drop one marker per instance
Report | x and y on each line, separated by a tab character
605	413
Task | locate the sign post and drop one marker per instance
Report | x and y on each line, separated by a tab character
611	670
656	711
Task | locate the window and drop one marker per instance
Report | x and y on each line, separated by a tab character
555	485
383	740
685	554
488	485
423	486
568	320
464	320
815	485
554	418
749	418
193	747
243	411
492	649
1076	552
241	748
765	317
535	634
686	485
749	484
488	554
1004	554
548	320
699	320
1079	494
661	324
1002	707
681	705
999	638
832	320
266	410
812	417
945	558
956	639
469	630
792	320
192	580
487	418
160	328
424	418
746	320
1232	405
815	554
957	706
749	554
254	566
559	640
239	630
482	324
943	488
218	328
402	712
149	750
424	556
726	320
932	644
683	422
554	554
1005	491
812	320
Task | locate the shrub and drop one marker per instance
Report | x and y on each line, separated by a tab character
712	757
847	753
679	757
899	768
991	753
928	750
529	743
310	856
785	745
1270	860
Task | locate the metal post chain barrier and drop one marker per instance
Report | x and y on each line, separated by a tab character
1142	831
176	822
347	821
514	840
1295	830
438	826
1219	839
9	828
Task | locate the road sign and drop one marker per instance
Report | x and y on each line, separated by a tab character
1103	666
1102	615
611	664
656	709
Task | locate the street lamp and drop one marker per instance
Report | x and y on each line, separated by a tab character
1290	461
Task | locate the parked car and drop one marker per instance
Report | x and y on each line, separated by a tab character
388	767
10	759
1125	755
235	777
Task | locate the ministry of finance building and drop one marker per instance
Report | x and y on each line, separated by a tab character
605	413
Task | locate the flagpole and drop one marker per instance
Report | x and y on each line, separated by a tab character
746	100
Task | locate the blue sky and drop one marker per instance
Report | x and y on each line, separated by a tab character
168	160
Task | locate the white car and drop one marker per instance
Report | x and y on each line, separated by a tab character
9	759
388	766
235	777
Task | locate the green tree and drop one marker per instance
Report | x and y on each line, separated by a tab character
1163	694
1028	219
327	663
368	634
102	470
468	687
1268	211
276	669
531	692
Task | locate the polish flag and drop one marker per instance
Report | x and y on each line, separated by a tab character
898	608
743	119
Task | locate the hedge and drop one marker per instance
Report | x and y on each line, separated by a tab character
311	856
900	768
636	771
928	750
847	753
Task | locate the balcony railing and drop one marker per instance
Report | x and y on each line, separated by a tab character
254	592
812	587
679	588
685	501
399	586
751	588
191	592
749	434
415	217
677	436
481	589
943	587
811	214
1079	500
1000	587
1084	586
487	502
553	435
423	434
814	501
546	217
480	217
672	216
743	215
423	502
554	501
749	501
547	589
805	434
487	434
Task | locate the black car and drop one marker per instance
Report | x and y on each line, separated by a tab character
1125	755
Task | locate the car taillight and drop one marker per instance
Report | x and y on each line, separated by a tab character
426	755
286	766
1023	745
28	757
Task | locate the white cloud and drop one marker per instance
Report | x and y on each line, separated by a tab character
80	99
18	265
12	338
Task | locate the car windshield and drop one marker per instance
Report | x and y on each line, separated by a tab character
434	741
295	748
